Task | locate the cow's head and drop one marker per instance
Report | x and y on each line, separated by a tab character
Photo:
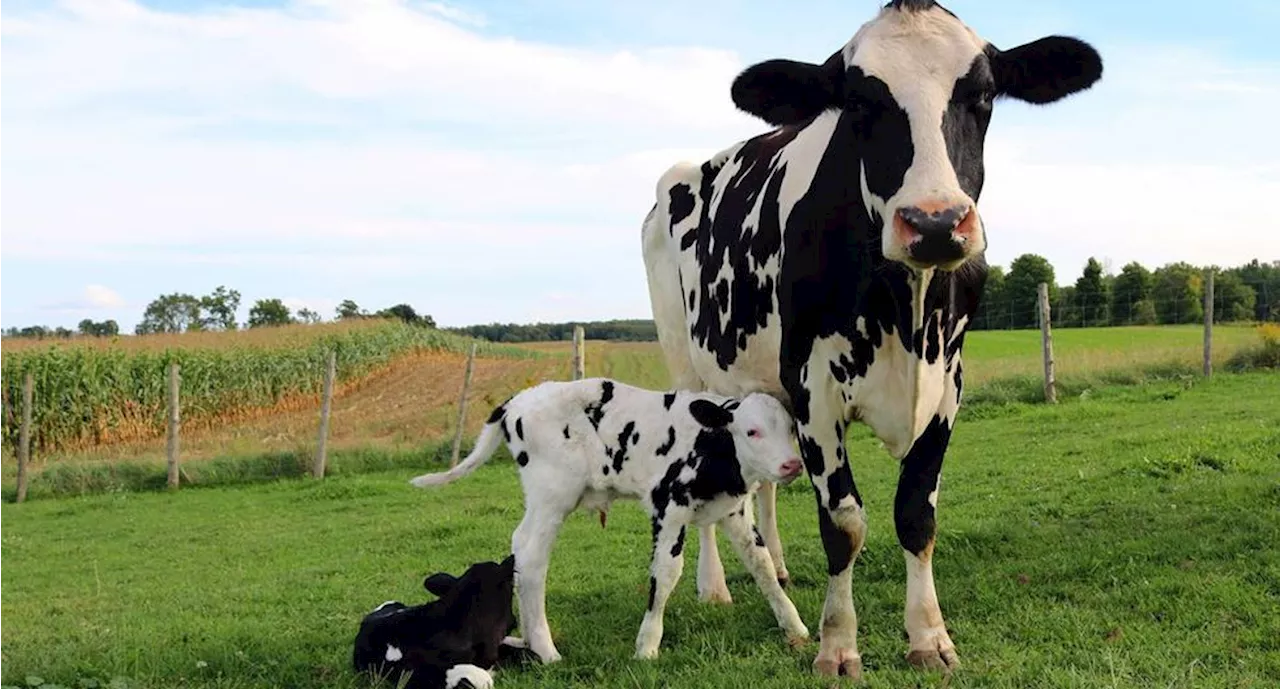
914	89
482	595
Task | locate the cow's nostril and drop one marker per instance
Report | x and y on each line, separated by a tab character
933	222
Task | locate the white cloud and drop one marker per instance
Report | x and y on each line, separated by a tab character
382	138
93	298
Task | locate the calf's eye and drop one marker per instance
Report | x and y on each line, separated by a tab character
753	433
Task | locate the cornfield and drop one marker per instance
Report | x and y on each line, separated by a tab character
89	394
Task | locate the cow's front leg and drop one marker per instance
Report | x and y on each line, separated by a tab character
664	572
913	513
750	545
842	525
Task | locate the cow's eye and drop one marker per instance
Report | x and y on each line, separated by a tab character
753	433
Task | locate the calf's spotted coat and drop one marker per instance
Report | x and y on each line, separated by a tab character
688	458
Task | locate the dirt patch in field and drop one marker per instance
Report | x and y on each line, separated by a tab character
412	402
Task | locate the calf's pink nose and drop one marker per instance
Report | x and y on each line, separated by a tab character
791	466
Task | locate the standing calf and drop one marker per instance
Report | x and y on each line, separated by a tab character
689	458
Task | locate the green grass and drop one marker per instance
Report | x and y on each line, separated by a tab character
1128	539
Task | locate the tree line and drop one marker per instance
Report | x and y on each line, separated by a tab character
1170	294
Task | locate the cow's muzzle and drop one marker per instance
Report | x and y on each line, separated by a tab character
935	234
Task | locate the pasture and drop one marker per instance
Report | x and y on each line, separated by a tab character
1126	539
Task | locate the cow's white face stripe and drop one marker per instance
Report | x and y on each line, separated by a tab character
393	653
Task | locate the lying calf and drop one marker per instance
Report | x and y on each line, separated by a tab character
690	458
449	643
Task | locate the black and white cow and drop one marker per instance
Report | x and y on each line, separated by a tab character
689	458
449	643
836	261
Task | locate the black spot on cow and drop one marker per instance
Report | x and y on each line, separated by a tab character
523	458
933	339
717	472
958	379
678	547
497	413
566	432
811	453
668	399
520	428
595	411
619	455
653	590
681	203
759	538
912	514
840	485
665	447
506	434
605	470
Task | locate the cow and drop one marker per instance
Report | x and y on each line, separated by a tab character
836	261
449	643
688	458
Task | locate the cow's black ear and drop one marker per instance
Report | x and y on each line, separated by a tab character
710	414
439	583
783	92
509	564
1045	70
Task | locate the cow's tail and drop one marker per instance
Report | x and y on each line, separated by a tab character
486	444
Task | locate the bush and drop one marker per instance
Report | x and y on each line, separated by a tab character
1266	354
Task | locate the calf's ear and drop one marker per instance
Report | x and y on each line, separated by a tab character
710	414
439	583
783	92
509	564
1045	70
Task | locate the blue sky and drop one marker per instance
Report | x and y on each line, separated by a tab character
492	161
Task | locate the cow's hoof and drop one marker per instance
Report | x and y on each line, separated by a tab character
944	659
784	580
719	595
845	663
647	653
798	639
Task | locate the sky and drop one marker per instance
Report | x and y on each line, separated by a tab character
492	161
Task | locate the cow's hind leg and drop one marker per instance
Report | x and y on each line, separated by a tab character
843	526
913	513
750	545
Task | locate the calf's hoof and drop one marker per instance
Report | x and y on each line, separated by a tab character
944	659
646	653
845	663
798	639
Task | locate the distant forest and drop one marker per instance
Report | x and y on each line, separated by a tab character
634	330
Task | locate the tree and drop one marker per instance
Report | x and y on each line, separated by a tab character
1233	300
1025	274
993	308
1091	295
1131	286
1066	311
220	307
269	312
171	313
349	309
308	316
1264	278
91	328
1176	290
407	314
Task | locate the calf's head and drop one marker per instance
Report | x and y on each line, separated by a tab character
912	92
762	431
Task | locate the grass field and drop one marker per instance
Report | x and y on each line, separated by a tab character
1124	540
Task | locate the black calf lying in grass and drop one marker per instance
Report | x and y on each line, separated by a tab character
449	643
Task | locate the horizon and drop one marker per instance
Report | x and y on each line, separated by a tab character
492	164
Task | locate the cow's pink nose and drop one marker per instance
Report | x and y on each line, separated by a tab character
791	467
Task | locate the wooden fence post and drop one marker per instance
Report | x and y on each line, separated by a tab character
579	355
1046	345
24	437
1208	324
171	445
326	405
462	407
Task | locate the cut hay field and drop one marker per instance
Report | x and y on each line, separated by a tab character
1126	539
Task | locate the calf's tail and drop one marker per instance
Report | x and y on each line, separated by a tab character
490	438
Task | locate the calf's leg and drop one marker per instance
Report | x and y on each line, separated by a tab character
531	544
712	587
768	525
750	545
664	572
